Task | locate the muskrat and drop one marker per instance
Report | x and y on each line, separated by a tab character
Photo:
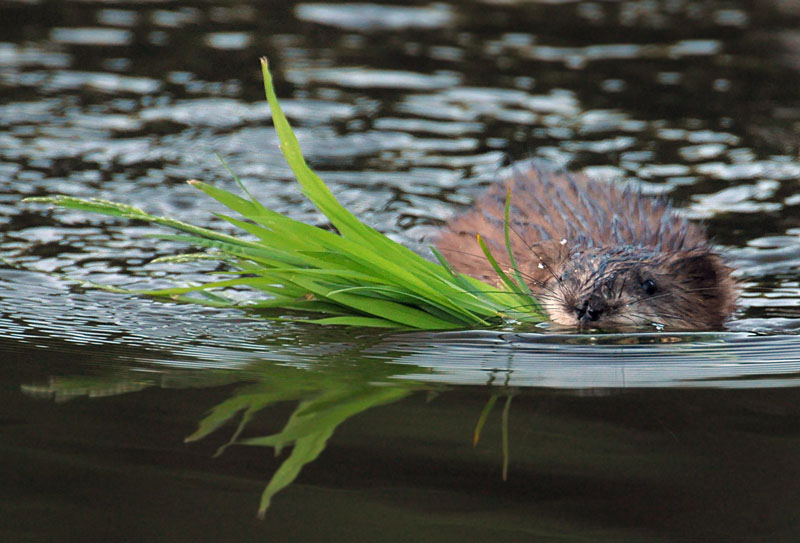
595	255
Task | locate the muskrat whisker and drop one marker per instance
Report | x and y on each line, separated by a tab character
460	252
479	257
665	294
668	316
545	288
530	278
622	288
541	284
497	291
518	307
529	246
635	323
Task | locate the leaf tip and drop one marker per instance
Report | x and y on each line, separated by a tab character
38	200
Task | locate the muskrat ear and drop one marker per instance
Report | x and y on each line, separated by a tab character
702	269
708	285
706	274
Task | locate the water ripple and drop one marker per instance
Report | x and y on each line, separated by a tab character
48	311
367	17
612	361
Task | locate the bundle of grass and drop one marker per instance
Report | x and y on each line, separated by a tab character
354	276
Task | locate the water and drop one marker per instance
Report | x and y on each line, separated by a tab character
408	112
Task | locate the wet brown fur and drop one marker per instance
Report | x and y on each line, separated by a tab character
595	255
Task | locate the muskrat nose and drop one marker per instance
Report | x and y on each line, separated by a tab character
588	312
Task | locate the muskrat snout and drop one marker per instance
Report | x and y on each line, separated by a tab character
590	311
626	288
592	308
607	289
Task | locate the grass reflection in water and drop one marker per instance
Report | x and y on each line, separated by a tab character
327	395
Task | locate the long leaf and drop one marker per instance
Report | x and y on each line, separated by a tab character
356	275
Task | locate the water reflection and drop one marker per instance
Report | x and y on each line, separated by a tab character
390	435
327	395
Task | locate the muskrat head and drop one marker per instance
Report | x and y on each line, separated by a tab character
633	287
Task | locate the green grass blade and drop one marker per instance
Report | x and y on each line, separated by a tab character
344	221
496	267
104	207
521	284
367	322
395	312
356	274
505	438
240	183
187	257
476	436
244	207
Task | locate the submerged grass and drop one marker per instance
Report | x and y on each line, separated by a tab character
354	276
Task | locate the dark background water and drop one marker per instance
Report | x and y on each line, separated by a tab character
408	112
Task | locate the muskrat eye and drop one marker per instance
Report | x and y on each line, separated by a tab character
649	287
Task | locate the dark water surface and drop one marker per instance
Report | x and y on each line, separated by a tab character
408	112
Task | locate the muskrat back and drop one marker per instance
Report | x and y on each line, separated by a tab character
595	255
